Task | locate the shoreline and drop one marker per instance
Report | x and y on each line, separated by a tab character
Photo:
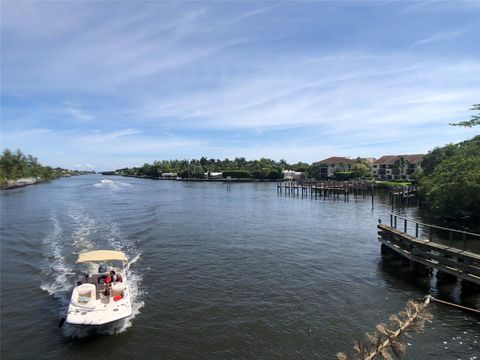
200	180
15	184
23	182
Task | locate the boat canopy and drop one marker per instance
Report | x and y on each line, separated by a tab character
101	255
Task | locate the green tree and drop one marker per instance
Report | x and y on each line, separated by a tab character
361	169
399	166
474	121
301	166
453	186
16	165
436	156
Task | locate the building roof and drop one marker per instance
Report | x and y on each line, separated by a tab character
336	160
414	159
390	159
370	160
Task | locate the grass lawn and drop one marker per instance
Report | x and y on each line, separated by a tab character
393	183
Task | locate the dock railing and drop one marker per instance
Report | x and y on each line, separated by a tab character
459	239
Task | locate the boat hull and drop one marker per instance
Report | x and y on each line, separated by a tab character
91	307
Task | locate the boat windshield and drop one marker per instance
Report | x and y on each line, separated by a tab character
99	268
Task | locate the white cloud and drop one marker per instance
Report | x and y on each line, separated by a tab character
87	167
365	93
97	150
175	80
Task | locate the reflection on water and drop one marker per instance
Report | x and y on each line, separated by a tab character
397	271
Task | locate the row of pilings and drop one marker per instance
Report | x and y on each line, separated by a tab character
418	270
404	195
345	190
335	190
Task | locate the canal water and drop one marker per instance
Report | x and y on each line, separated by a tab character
244	273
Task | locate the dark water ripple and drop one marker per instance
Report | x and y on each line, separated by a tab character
219	274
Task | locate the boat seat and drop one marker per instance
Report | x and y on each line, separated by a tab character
85	293
118	289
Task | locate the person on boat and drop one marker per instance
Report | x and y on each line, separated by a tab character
102	269
116	277
105	278
108	284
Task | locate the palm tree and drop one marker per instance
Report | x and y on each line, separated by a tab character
399	166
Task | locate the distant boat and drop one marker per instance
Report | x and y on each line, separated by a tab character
106	181
101	294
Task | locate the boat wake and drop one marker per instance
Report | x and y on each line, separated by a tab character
112	184
55	264
61	247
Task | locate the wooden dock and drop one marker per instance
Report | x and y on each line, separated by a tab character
457	256
345	190
404	194
327	189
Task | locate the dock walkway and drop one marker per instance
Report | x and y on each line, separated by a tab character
455	257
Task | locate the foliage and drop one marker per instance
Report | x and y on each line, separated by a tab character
399	166
474	121
257	169
237	174
301	167
436	156
197	169
392	183
416	174
452	186
314	170
344	175
361	169
16	165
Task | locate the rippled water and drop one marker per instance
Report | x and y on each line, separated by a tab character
245	273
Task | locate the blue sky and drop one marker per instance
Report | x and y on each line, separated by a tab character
105	85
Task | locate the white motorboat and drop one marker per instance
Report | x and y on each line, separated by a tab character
101	294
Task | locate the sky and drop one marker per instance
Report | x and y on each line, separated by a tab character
106	85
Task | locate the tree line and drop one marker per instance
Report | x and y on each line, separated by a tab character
450	181
16	165
237	168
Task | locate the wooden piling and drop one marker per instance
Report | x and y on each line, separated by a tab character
449	261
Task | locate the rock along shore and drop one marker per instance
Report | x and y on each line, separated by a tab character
12	184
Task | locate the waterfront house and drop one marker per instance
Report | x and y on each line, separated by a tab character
397	167
214	175
328	167
293	175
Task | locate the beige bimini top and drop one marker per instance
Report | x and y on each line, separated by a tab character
101	255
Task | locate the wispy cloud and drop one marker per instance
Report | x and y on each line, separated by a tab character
441	36
99	150
420	5
79	114
99	137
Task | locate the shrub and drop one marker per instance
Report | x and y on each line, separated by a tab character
237	174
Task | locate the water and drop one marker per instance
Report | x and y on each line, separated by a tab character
217	274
